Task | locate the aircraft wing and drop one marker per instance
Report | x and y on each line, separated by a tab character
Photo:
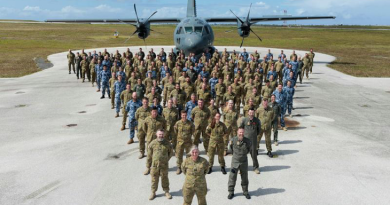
153	20
268	18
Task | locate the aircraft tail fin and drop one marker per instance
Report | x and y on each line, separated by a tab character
191	8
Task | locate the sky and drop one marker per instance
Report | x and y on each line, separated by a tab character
347	12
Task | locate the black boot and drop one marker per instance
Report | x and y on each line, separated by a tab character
210	170
109	97
102	97
269	153
246	194
223	170
231	195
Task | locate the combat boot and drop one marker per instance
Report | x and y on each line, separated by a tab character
131	141
224	153
246	194
98	90
109	97
168	195
276	143
223	170
147	171
141	155
257	171
117	115
231	195
102	97
269	153
152	196
210	170
123	127
112	107
285	128
178	171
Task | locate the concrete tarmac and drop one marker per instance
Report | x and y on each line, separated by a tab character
60	144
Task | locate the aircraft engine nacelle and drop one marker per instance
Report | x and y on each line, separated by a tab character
243	29
143	29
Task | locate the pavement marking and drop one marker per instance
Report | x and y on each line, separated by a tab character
44	190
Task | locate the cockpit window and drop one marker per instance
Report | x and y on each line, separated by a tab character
207	30
198	29
189	29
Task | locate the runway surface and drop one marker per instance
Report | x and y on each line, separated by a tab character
337	153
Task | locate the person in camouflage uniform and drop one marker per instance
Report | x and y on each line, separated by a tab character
306	65
140	89
71	61
180	96
126	96
131	110
220	90
266	116
150	126
159	154
171	115
195	169
119	87
184	129
200	116
311	56
78	60
105	76
111	84
98	71
230	117
277	110
240	147
217	131
84	67
140	115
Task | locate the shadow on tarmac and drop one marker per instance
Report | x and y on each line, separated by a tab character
290	141
285	152
273	168
266	191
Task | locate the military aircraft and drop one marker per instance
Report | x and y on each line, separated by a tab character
194	34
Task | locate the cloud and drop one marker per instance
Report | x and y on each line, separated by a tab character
300	11
32	8
165	12
106	8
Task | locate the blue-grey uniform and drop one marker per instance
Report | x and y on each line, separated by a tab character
131	108
159	108
285	80
274	73
268	56
294	67
290	94
123	74
119	87
98	71
105	75
245	55
189	106
213	82
281	99
108	64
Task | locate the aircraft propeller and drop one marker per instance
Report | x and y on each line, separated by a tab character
245	25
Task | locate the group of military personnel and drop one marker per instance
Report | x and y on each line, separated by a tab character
176	102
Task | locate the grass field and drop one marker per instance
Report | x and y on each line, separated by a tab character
363	53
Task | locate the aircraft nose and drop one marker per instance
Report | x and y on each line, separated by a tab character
194	42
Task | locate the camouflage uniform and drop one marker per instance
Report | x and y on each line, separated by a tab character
200	117
195	182
184	132
140	115
140	90
84	67
126	96
159	154
311	56
171	116
230	119
279	68
237	90
277	110
306	66
180	96
119	87
71	58
266	116
217	136
240	150
111	84
266	92
168	88
105	76
151	125
220	90
98	71
131	110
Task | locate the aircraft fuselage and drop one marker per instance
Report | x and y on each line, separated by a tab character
193	35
